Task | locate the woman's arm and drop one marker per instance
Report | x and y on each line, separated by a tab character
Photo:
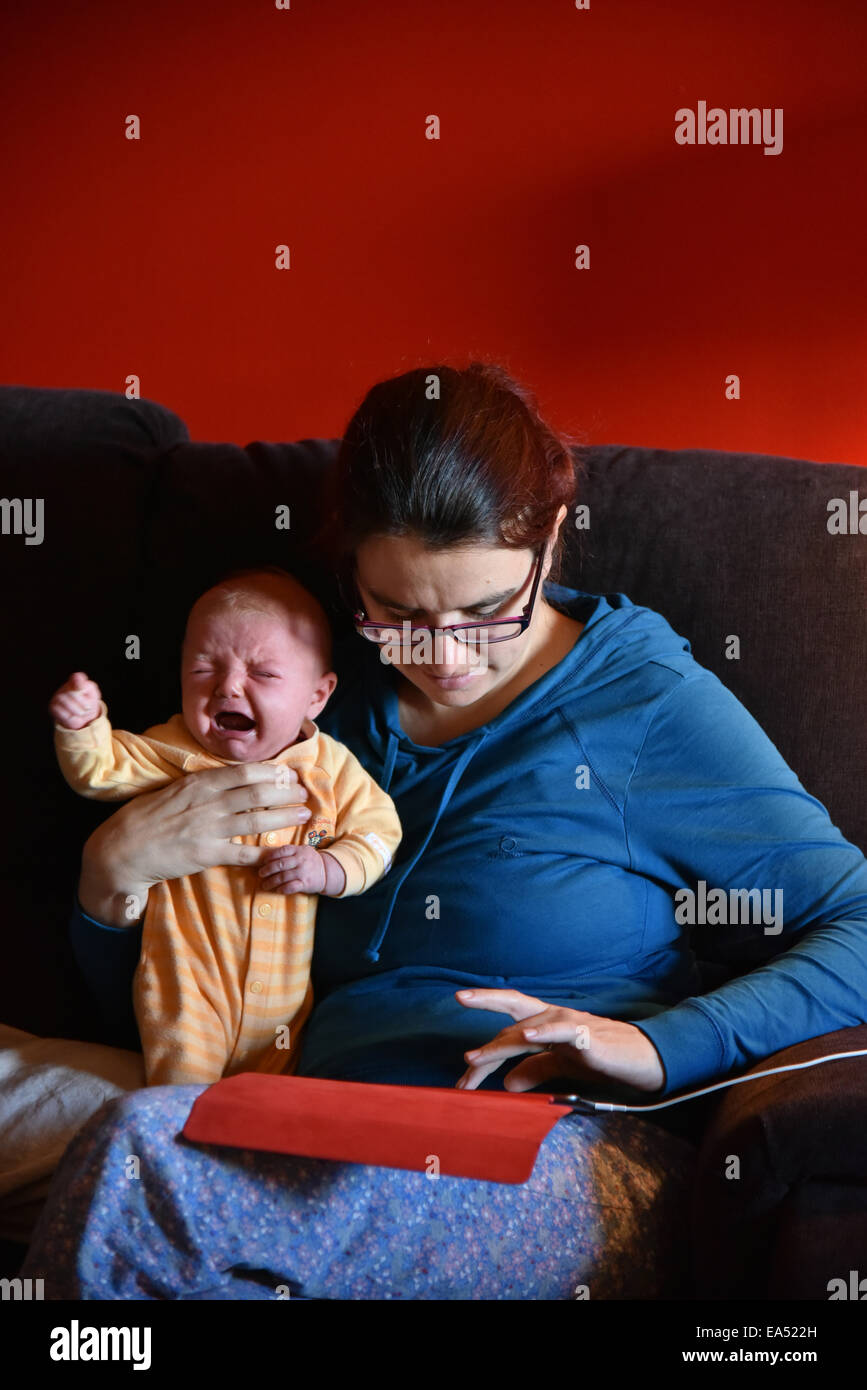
180	830
712	804
166	834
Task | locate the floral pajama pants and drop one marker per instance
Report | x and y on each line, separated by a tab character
135	1211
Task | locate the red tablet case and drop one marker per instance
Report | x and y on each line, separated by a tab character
492	1135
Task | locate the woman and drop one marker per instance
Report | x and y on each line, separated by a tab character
555	797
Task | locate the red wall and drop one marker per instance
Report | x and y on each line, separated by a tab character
306	126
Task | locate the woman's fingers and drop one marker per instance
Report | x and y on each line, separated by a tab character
260	821
246	798
535	1070
501	1001
239	854
543	1064
245	785
477	1072
567	1030
484	1060
265	794
267	803
573	1029
506	1044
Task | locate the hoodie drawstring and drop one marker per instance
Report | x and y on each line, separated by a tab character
390	758
372	952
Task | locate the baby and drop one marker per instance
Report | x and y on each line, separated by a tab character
225	965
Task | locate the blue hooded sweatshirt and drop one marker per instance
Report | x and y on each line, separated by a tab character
543	851
557	850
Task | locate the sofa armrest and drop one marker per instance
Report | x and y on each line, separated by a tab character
765	1143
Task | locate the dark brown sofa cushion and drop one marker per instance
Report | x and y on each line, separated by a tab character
798	1210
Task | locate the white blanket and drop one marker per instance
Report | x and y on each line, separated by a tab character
49	1087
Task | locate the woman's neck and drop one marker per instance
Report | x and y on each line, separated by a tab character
429	723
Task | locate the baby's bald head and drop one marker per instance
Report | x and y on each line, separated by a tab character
268	592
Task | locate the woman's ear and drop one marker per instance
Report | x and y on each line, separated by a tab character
552	540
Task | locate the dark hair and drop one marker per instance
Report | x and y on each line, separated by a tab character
450	455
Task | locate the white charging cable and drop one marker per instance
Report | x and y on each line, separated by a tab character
706	1090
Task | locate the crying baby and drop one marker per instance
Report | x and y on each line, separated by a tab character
223	981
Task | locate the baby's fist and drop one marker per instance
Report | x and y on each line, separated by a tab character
293	869
76	704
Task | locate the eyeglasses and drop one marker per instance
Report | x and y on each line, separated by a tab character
475	634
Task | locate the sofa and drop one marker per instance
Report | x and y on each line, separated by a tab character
137	519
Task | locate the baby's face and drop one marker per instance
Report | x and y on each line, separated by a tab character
248	683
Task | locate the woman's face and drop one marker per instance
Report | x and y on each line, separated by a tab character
401	580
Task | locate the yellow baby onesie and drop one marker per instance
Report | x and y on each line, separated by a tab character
223	982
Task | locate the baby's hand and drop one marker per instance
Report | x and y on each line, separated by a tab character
301	869
76	704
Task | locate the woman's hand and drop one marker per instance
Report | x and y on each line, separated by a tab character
566	1041
182	829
